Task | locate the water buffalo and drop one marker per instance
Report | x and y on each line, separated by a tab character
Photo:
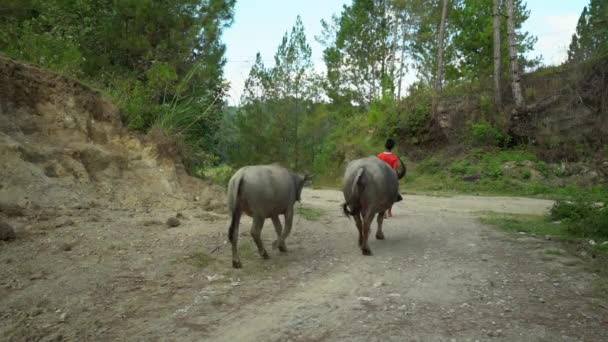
261	192
370	187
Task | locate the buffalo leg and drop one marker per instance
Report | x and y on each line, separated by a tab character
280	243
256	232
233	236
368	217
359	224
379	233
287	230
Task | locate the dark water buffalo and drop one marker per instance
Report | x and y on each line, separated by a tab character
370	187
262	191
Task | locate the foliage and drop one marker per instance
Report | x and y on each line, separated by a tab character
220	174
358	44
484	134
545	226
583	217
278	104
502	172
571	210
160	61
591	37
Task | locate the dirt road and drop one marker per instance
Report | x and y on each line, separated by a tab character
110	274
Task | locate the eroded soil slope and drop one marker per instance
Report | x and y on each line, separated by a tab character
62	144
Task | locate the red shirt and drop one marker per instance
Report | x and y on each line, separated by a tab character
389	158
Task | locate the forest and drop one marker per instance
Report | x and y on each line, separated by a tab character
480	109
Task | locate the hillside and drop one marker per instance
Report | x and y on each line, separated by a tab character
64	145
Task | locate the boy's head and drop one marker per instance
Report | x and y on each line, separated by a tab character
390	143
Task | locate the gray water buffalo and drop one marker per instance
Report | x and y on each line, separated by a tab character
261	192
370	187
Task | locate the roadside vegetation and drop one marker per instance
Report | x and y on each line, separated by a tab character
577	220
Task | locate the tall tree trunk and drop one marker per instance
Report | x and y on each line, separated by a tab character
402	58
520	103
401	67
394	46
497	61
440	41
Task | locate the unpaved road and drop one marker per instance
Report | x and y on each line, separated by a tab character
111	274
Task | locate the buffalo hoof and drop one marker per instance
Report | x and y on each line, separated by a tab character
281	248
380	236
265	255
366	251
236	264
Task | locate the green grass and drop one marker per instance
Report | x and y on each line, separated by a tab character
601	248
540	226
501	172
309	213
531	224
200	259
553	251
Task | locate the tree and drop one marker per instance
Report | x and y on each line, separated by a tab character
278	100
591	37
497	53
162	61
515	71
440	42
359	45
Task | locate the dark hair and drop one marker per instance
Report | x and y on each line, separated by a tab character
390	143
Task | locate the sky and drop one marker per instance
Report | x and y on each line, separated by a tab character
259	26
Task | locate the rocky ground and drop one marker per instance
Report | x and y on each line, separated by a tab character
96	273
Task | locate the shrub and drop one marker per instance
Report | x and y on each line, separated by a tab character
462	167
583	218
595	224
220	174
484	134
571	210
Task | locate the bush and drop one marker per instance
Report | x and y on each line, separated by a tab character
484	134
571	210
595	224
220	174
462	167
582	217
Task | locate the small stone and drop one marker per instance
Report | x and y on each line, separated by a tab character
66	246
592	242
63	316
541	300
7	233
378	284
66	223
365	299
173	222
36	312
